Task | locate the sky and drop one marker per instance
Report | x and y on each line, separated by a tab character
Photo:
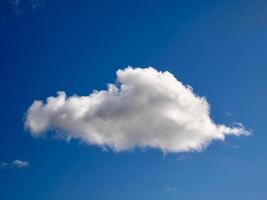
215	55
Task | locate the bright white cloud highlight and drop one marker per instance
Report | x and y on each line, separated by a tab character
145	108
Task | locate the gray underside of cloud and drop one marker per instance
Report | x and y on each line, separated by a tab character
145	108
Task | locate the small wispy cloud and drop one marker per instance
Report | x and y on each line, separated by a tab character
181	157
10	8
16	163
170	189
229	113
20	163
235	147
4	164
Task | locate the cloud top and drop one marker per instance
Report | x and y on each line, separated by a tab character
144	108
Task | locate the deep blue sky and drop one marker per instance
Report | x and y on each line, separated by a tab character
217	47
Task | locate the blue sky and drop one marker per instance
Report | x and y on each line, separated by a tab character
217	47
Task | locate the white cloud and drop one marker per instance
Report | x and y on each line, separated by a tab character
145	108
20	163
15	163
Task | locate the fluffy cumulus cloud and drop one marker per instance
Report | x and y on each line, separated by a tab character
144	108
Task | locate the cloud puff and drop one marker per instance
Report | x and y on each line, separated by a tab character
15	163
145	108
20	163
